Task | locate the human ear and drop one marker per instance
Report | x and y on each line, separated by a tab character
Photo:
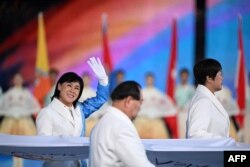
59	87
127	101
208	79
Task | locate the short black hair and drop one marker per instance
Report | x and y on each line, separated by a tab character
69	77
53	71
150	74
184	70
204	68
125	89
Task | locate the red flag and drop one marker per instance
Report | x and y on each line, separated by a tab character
241	79
172	63
106	53
171	76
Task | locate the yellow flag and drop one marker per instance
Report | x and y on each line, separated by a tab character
42	65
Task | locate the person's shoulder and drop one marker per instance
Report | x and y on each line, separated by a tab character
200	99
112	119
46	110
109	124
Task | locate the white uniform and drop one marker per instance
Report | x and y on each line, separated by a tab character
183	96
155	106
56	120
114	141
207	118
59	120
17	106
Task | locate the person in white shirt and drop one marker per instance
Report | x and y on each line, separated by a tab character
156	105
65	115
183	94
207	118
114	140
17	105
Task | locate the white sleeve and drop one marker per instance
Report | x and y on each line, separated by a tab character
32	104
44	123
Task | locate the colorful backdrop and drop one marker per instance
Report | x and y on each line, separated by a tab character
139	35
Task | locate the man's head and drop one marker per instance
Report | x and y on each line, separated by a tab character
150	79
119	75
127	97
208	72
184	74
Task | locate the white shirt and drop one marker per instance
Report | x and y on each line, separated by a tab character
18	102
56	120
114	142
206	116
156	104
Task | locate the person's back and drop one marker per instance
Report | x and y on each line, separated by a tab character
108	141
114	140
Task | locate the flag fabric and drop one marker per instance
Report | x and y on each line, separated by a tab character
106	53
108	65
241	78
42	64
42	85
171	121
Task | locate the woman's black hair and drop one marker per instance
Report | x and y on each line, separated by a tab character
204	68
69	77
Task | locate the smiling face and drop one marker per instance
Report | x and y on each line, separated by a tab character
69	92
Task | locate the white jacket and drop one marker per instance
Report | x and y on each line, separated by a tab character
114	142
56	120
206	116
